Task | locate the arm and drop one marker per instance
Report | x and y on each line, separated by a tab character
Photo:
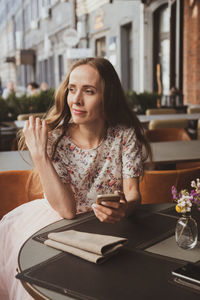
112	212
132	194
131	170
59	195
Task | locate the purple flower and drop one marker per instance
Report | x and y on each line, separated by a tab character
174	192
193	196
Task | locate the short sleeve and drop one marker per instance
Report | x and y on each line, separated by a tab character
132	165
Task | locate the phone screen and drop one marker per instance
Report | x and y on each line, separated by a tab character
190	272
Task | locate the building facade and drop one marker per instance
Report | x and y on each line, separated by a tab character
171	48
153	44
33	39
113	30
38	46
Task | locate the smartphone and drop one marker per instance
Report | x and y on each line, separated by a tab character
107	197
189	272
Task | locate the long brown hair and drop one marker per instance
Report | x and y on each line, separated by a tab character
115	106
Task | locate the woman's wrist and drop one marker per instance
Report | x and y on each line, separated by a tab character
40	160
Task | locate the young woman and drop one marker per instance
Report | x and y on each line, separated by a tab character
90	143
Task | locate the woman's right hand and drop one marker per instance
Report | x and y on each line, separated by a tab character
35	132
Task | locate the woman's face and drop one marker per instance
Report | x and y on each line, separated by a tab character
85	96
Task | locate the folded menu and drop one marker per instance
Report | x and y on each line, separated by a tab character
95	248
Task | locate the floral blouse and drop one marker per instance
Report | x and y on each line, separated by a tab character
99	170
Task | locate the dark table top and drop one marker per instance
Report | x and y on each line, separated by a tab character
133	273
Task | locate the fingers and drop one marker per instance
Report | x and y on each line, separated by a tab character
121	194
31	122
35	132
44	127
26	125
110	214
115	204
111	211
112	204
34	123
38	123
103	217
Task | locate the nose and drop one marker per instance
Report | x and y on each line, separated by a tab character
77	99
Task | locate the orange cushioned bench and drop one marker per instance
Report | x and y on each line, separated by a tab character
15	189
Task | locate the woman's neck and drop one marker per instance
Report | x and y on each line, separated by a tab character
87	137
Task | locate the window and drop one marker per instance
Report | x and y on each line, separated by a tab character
39	74
21	76
100	47
126	56
161	50
46	71
60	67
27	16
176	46
34	10
51	78
46	3
28	74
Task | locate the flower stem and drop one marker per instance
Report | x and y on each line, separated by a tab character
184	225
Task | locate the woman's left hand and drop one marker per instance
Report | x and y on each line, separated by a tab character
111	212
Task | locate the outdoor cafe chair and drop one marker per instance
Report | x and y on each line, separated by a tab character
187	164
16	189
174	123
160	111
167	134
155	186
193	110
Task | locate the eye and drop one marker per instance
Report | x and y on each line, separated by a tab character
89	91
71	89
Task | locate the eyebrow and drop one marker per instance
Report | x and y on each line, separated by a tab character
84	86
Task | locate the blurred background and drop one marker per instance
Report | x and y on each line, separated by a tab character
153	44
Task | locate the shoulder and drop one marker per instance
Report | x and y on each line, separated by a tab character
121	131
54	134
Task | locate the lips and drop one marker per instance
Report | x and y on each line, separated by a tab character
78	111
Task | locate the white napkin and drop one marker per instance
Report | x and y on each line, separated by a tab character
95	248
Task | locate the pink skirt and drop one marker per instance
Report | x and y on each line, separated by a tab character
15	228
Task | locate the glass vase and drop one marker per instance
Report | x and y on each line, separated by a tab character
186	232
